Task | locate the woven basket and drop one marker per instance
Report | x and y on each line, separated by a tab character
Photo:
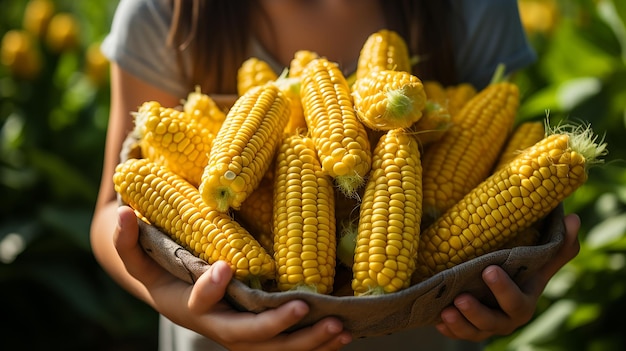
418	305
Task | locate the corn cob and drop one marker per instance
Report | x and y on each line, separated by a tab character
524	135
244	147
304	219
37	15
340	138
435	92
434	123
256	213
20	54
458	95
385	99
510	200
253	72
297	123
383	50
391	211
290	86
201	108
300	59
63	32
173	205
346	243
466	153
168	138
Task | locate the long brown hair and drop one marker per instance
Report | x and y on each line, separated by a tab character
216	33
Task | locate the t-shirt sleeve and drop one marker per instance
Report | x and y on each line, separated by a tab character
137	42
487	33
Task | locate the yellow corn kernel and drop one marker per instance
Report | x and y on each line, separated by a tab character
383	50
467	152
300	59
244	147
340	138
168	138
174	206
524	135
256	213
253	72
304	219
203	109
434	123
509	201
389	226
385	99
458	95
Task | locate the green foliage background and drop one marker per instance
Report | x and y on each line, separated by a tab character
53	295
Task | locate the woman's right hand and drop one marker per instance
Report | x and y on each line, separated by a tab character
201	306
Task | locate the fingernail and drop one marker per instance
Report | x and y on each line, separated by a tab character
461	304
216	274
333	328
300	310
345	339
490	275
447	317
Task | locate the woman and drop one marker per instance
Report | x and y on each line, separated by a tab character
161	49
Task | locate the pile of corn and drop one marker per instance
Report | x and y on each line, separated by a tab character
395	178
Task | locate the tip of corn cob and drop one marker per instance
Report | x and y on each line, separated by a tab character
349	184
347	244
583	140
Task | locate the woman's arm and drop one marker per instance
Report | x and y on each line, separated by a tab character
199	307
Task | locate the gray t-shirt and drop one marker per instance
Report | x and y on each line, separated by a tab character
485	34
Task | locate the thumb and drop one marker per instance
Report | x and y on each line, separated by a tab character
127	233
126	240
210	287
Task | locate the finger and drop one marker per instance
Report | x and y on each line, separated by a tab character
127	234
210	287
513	302
275	321
266	330
332	330
126	240
454	325
327	334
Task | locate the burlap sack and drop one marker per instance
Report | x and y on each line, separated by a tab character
419	305
416	306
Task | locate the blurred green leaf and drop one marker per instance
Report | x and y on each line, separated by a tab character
572	55
64	180
607	232
545	326
583	315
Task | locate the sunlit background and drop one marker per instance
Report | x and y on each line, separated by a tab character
54	93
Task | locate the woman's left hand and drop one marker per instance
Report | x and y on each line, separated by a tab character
469	319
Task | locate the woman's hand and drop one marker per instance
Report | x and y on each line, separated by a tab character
201	307
470	320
